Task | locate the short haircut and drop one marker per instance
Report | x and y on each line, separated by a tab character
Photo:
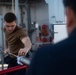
71	4
10	17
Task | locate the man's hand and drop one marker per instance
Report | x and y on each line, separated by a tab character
6	51
23	52
27	46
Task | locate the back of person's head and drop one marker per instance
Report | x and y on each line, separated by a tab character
70	10
71	4
9	17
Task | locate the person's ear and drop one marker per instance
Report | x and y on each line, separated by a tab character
16	22
70	16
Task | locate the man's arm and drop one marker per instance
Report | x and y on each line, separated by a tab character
6	47
27	43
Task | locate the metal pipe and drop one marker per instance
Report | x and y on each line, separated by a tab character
17	10
28	17
25	61
9	3
2	54
28	14
13	7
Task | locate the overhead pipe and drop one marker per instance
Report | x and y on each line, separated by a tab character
17	10
27	5
13	6
9	3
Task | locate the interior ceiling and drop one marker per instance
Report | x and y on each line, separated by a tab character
21	1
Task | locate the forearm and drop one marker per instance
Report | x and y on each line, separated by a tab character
6	47
27	44
6	44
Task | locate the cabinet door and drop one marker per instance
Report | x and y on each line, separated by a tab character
60	33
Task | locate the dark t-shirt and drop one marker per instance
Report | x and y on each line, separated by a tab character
14	40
